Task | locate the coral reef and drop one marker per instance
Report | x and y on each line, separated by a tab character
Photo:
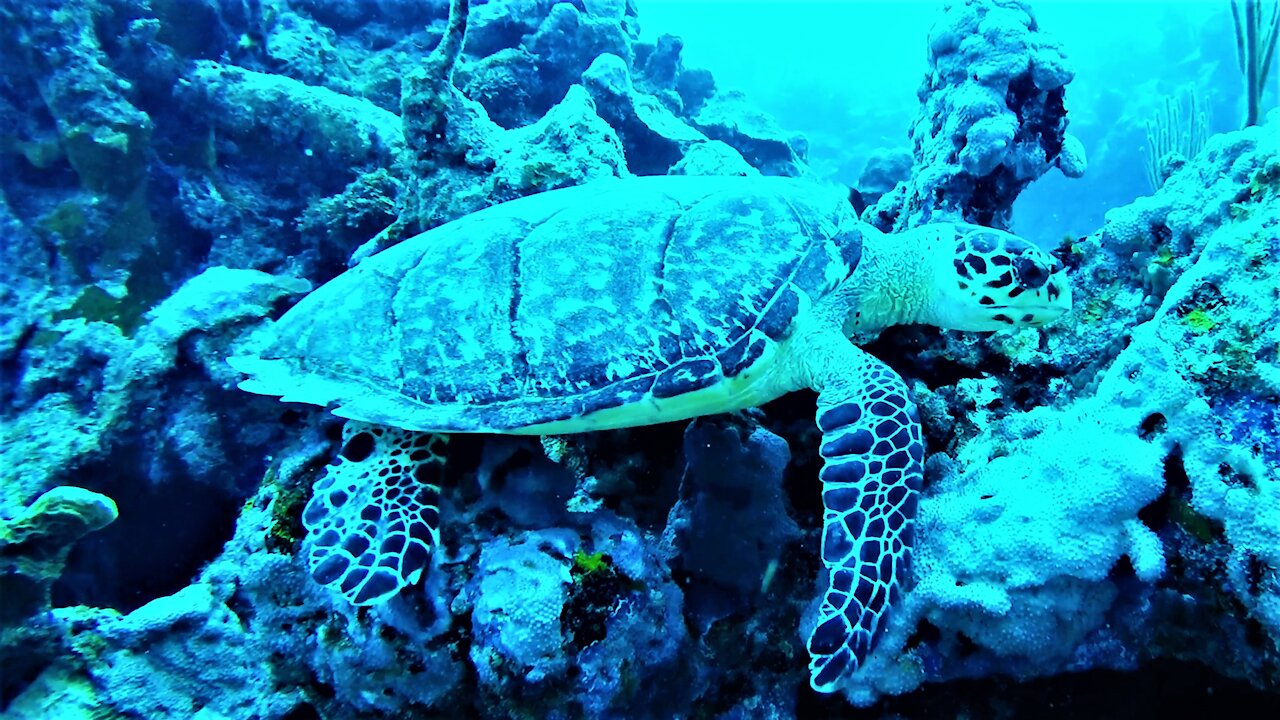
1134	517
161	154
33	552
1099	495
992	119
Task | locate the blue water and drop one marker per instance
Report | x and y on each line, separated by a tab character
846	75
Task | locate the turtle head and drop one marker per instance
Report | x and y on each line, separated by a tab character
986	279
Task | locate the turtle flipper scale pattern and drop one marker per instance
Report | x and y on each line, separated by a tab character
872	452
374	517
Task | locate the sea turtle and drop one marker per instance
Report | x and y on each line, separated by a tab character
628	302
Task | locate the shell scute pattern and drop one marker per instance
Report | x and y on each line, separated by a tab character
535	312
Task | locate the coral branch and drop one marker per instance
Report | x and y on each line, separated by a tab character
428	94
1255	46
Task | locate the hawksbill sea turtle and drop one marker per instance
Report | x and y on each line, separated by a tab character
628	302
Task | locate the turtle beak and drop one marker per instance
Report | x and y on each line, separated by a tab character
1053	302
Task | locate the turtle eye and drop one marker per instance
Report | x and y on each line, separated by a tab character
1030	274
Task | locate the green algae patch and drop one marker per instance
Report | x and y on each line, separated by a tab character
596	588
284	524
1198	526
67	220
1200	321
1164	256
585	563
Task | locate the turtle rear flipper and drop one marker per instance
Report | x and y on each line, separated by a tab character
872	452
374	516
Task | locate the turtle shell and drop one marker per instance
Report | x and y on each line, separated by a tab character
562	304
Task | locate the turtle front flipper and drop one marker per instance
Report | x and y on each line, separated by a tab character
374	516
872	452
